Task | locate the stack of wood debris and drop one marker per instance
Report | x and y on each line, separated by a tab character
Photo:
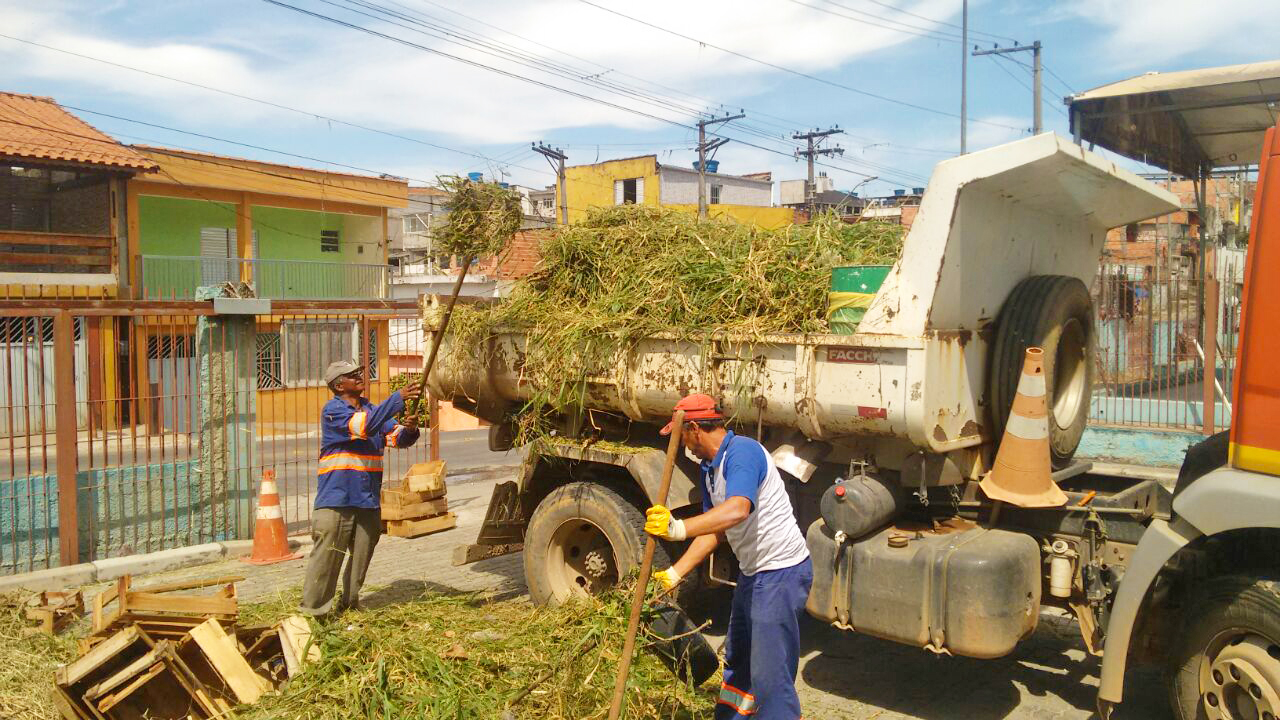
161	655
418	506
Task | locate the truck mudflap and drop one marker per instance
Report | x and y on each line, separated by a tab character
955	589
502	532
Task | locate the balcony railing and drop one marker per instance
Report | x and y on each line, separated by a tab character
166	276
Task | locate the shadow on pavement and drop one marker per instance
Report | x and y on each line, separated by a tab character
402	591
918	683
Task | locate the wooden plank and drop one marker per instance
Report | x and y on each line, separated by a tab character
122	675
105	705
221	652
76	670
400	498
415	511
416	528
295	642
11	258
66	708
191	584
214	705
181	604
95	241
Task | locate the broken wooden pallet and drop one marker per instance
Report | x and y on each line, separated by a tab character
54	611
159	613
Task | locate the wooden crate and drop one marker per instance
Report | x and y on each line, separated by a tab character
55	610
425	477
415	511
128	676
424	526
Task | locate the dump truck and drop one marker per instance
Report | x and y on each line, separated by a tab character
883	436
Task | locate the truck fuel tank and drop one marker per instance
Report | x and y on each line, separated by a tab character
860	504
958	588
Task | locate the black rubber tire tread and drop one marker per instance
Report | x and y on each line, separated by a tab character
1203	458
1033	315
1228	601
621	521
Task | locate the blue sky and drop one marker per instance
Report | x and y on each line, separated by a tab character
647	83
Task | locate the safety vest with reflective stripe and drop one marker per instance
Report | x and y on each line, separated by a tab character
351	445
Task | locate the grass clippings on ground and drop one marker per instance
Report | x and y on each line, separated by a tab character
431	657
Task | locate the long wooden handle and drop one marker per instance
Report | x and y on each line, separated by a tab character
439	337
646	568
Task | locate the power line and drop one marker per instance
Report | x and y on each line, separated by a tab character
517	76
782	68
939	22
913	30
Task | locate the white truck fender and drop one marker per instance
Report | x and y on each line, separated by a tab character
1159	543
1223	500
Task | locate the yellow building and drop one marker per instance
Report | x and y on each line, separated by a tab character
644	181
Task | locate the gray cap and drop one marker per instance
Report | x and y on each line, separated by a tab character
337	369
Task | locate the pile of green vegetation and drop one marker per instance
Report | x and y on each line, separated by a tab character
431	656
630	271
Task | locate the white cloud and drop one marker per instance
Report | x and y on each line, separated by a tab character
1145	34
301	62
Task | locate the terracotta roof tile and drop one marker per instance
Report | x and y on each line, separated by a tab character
39	129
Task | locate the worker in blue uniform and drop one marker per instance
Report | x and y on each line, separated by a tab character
347	522
745	502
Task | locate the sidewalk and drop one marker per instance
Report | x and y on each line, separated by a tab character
401	567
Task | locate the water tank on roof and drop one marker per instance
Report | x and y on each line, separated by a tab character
475	177
712	165
899	192
917	191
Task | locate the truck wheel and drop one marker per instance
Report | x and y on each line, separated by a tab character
1055	313
1227	664
581	539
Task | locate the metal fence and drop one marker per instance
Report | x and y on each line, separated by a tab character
129	427
167	276
1157	322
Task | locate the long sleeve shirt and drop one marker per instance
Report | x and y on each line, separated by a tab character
351	445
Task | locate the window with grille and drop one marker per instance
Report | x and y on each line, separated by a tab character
309	347
373	354
330	241
715	194
269	361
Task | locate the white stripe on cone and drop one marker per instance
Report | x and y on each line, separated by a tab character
1031	385
269	512
268	488
1027	428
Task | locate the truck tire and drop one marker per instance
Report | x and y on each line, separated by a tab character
1055	313
1227	661
582	538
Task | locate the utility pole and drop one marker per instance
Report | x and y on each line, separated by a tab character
964	79
1034	48
814	137
704	148
556	157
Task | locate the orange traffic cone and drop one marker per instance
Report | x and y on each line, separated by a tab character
1021	475
270	544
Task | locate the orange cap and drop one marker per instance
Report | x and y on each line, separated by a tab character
696	407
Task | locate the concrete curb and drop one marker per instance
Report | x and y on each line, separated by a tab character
61	578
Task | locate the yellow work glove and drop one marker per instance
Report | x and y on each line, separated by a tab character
658	521
668	578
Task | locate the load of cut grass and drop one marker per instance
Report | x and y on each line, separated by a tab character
482	218
441	656
628	272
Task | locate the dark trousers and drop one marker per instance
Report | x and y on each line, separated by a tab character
345	533
762	648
